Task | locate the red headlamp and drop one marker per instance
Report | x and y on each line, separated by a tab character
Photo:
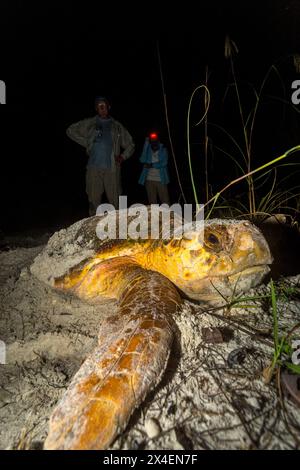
153	136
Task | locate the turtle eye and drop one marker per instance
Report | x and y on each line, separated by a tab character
212	239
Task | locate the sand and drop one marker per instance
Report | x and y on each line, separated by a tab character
212	396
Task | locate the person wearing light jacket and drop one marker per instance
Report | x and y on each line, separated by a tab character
155	174
107	143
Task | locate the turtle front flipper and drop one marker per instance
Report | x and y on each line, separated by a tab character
132	352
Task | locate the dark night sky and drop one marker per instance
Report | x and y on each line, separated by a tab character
56	57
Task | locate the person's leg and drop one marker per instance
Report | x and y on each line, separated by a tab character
94	188
112	187
163	193
151	192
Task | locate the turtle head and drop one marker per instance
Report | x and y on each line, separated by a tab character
220	259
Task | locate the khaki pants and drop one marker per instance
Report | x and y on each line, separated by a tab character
156	190
100	180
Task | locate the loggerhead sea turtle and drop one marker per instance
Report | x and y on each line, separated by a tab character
148	278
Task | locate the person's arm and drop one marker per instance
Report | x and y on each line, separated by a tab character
163	159
127	143
143	157
78	132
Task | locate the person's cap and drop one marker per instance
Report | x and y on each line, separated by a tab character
99	98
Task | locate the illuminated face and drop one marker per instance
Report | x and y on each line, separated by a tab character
154	145
102	109
154	142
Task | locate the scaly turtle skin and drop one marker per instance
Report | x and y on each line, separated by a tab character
148	278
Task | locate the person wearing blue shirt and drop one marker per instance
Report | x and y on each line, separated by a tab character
108	144
155	176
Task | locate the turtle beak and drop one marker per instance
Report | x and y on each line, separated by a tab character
249	248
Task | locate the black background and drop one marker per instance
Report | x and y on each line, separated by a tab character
55	57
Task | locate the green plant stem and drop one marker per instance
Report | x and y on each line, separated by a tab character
167	121
237	180
206	138
188	136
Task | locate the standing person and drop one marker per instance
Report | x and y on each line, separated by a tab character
107	144
155	174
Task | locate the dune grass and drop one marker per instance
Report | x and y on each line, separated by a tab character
274	199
